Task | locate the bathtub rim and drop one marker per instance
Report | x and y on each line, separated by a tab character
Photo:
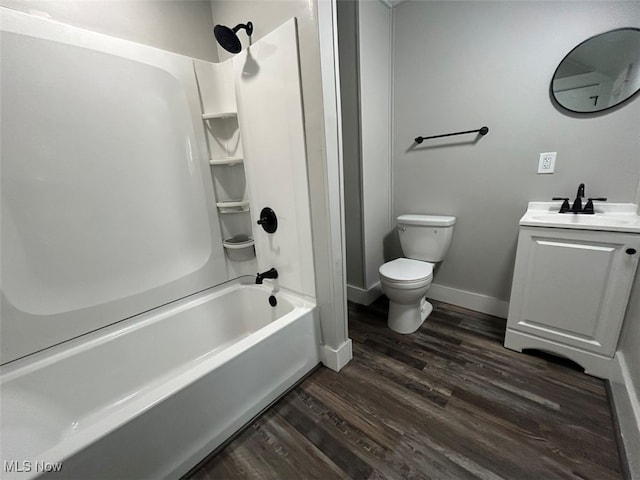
25	364
153	395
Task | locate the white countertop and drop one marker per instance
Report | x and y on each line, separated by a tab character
611	217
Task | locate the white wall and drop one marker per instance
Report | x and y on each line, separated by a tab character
266	16
462	65
179	26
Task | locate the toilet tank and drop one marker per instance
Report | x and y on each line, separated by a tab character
425	237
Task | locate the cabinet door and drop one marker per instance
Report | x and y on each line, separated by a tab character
572	286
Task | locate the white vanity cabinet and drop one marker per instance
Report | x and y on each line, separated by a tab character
570	291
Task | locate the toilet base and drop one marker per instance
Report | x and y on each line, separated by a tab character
408	318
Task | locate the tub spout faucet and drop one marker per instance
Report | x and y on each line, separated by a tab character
271	273
577	203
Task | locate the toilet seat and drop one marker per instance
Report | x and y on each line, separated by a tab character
406	272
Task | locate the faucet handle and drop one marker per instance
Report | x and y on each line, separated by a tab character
588	208
565	207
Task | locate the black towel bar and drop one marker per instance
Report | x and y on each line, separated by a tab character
481	131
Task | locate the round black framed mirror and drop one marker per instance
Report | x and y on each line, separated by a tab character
600	73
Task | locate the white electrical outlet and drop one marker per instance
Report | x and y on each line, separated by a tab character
547	162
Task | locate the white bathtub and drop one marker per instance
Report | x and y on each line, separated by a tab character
151	396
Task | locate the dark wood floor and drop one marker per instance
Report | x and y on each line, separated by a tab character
448	402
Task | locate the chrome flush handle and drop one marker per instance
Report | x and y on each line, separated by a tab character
402	228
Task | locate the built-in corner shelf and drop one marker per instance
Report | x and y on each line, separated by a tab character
238	242
240	248
233	207
229	184
213	115
226	161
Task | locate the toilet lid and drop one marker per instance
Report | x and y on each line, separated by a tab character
406	270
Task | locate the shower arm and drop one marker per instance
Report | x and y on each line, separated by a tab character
248	27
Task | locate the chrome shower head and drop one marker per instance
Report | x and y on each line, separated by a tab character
228	38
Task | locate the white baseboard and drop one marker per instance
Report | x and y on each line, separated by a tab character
462	298
472	301
626	399
362	296
336	358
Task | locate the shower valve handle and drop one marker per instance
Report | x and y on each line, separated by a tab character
268	220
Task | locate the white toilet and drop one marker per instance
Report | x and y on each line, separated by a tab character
425	240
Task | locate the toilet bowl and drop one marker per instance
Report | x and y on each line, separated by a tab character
425	240
405	282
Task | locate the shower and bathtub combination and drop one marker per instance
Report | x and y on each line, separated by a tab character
134	342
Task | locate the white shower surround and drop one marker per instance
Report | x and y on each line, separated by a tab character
114	366
107	208
272	128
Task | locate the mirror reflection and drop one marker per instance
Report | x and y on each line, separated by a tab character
600	73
